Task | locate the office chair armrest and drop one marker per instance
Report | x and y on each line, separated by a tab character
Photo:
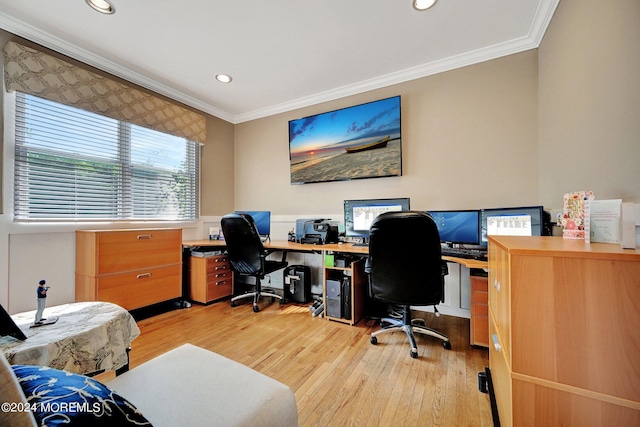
445	268
268	252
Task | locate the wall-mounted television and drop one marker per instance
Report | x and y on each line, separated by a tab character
363	141
458	226
359	214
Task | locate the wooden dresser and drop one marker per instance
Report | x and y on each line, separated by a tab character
564	322
131	268
211	278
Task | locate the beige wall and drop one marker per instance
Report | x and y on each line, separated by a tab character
216	174
523	129
469	141
590	101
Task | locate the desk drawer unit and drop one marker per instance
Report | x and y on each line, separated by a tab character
211	279
479	331
131	268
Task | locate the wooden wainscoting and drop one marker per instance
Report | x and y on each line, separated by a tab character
339	378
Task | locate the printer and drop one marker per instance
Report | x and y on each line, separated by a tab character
317	231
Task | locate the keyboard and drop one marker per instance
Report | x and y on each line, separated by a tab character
479	254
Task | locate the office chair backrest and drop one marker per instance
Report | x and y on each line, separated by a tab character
243	243
405	260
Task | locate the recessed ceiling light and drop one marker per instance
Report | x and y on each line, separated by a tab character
102	6
423	4
223	78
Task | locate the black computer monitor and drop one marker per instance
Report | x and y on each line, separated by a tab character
512	221
359	214
458	226
262	220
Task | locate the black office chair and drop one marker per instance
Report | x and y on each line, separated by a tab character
247	255
406	269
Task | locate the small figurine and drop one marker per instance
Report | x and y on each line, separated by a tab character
41	291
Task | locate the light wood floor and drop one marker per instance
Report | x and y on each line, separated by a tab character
338	377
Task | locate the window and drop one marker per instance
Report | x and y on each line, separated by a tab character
74	165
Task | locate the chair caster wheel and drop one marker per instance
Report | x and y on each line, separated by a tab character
374	340
413	354
256	309
233	303
446	345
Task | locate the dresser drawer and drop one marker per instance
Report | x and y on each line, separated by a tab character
217	264
127	250
141	288
219	285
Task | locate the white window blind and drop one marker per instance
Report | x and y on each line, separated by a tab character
71	164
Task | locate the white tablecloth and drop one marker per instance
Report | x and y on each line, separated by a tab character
88	337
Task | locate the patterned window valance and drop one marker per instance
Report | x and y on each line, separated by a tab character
30	71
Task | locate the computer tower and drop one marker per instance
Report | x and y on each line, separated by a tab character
297	283
346	297
334	302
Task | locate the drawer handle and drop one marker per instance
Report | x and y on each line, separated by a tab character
220	259
143	275
221	267
222	282
144	236
221	275
496	343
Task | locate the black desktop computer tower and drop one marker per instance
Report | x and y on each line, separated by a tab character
297	283
346	297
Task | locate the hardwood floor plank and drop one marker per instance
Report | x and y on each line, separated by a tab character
339	378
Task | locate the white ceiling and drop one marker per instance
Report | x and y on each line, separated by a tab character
282	54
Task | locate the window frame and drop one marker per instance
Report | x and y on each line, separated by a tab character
194	175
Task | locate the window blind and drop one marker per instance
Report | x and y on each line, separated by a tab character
72	164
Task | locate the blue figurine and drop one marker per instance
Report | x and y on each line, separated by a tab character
42	300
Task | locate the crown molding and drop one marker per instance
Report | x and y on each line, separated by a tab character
531	41
56	44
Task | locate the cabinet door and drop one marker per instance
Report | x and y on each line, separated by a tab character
128	250
499	295
141	288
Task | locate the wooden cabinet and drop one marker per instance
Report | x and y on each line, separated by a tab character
358	280
131	268
479	312
563	319
211	278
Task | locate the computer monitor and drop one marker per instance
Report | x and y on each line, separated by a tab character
512	221
359	214
262	220
458	226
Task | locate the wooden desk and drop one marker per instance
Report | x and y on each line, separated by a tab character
346	248
357	273
563	318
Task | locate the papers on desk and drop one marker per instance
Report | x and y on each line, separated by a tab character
205	254
605	220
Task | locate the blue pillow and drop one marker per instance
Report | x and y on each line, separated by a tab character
59	398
